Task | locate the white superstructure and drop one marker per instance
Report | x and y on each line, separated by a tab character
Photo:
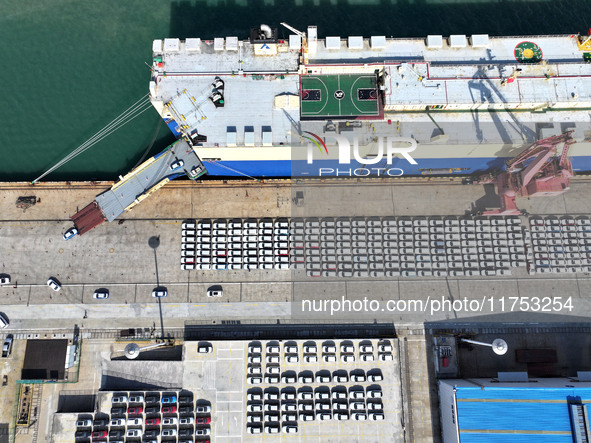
242	101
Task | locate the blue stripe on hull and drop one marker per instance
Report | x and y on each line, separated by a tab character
287	168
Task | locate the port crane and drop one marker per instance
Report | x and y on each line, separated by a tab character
540	170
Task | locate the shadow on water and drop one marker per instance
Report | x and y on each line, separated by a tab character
36	148
396	18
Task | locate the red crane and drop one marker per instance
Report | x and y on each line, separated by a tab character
538	171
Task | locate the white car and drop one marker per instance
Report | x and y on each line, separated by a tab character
374	393
254	419
159	292
54	284
255	370
3	321
4	279
215	293
254	407
271	396
254	359
253	429
288	396
305	395
201	431
289	407
70	233
176	165
288	379
101	294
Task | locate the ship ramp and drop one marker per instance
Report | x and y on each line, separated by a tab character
176	160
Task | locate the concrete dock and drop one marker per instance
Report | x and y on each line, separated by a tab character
118	256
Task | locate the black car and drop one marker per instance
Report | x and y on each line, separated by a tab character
185	399
116	434
118	411
152	433
185	409
185	432
152	399
82	434
153	409
100	423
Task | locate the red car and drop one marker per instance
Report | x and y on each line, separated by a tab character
99	434
135	411
203	420
152	421
168	409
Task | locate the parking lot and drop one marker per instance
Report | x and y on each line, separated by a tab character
359	247
321	390
330	391
561	244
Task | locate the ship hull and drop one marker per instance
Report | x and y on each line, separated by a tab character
399	167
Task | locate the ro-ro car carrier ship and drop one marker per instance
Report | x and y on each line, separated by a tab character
255	107
354	107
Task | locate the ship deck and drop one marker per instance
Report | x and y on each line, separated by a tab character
269	100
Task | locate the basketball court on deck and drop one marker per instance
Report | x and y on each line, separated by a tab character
339	96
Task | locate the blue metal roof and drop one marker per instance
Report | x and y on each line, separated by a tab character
492	414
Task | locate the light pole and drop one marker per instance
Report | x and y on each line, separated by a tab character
499	346
154	242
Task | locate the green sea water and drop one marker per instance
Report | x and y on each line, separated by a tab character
70	66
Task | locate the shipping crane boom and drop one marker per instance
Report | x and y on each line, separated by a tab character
538	171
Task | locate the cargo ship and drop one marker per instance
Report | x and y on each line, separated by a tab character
494	108
304	106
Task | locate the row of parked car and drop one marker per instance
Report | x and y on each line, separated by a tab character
235	245
308	377
329	349
494	250
561	245
149	416
323	403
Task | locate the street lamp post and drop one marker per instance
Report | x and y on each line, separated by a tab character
499	346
